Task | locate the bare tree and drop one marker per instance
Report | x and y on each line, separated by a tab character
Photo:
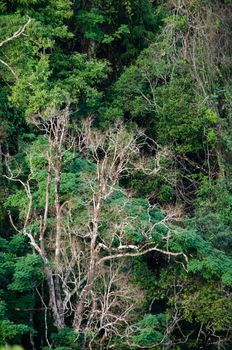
55	130
83	261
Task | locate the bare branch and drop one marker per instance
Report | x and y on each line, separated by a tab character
140	253
18	33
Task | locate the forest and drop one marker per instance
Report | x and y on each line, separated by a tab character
116	174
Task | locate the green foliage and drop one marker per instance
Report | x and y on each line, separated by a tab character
17	274
66	340
152	64
40	89
27	273
149	332
156	187
196	302
167	106
213	213
120	25
210	305
10	331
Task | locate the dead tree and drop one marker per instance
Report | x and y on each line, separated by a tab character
82	263
55	129
115	154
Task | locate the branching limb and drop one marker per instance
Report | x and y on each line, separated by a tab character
18	33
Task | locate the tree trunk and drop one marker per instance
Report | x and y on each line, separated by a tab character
54	296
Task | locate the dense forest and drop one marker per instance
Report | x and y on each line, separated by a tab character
116	174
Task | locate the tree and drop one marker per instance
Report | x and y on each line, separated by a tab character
91	231
113	237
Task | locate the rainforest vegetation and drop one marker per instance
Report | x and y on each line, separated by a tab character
116	174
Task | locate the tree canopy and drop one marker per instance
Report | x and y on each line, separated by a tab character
115	174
